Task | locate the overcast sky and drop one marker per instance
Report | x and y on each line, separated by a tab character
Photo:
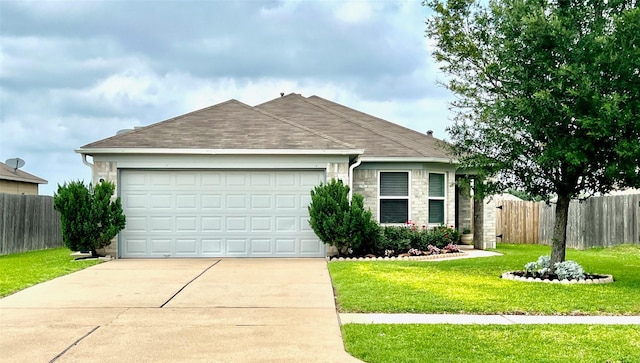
74	72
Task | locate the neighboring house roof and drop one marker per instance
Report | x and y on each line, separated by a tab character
9	173
292	122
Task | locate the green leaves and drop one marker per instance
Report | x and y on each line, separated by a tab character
338	223
90	219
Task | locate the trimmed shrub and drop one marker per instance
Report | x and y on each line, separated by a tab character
89	218
347	226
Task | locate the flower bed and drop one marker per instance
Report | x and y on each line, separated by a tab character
398	258
553	279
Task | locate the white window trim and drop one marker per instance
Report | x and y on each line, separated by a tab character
408	197
444	199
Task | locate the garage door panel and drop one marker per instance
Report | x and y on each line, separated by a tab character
285	246
212	246
212	224
162	246
238	246
236	201
211	201
261	246
160	179
261	224
187	201
261	201
188	246
218	213
186	224
310	246
161	201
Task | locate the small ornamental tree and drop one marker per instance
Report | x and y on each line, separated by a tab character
90	219
340	223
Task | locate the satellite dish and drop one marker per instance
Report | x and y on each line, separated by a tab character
15	163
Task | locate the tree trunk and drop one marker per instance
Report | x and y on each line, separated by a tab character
559	241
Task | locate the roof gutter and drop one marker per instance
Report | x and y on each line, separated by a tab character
351	169
168	151
416	159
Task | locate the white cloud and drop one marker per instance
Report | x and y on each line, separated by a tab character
353	12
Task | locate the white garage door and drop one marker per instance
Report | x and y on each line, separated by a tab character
218	214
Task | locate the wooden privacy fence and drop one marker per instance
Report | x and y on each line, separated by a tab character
596	222
517	221
27	223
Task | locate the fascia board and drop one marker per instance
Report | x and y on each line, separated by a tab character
219	151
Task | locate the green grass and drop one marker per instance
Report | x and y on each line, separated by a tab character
474	285
21	270
493	343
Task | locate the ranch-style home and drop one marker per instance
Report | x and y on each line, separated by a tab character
233	180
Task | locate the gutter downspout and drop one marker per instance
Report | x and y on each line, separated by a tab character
85	162
351	168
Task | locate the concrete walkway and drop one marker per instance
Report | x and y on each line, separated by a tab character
484	319
196	310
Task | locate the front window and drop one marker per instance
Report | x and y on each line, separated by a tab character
394	197
436	198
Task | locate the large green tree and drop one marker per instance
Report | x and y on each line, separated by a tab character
547	95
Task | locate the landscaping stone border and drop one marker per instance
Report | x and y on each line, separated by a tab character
606	279
394	258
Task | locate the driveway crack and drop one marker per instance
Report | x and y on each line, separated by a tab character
73	345
187	284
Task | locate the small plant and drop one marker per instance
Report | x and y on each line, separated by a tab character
540	267
452	247
433	250
569	270
414	252
466	230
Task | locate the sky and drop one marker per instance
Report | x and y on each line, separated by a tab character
74	72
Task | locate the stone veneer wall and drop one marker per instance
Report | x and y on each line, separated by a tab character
365	183
107	170
338	171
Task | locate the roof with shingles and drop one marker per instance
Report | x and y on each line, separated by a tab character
291	122
10	173
376	136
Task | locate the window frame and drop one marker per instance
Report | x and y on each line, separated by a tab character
394	197
443	199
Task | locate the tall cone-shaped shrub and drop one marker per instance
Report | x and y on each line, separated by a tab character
89	218
340	223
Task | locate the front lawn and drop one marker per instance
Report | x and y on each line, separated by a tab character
21	270
493	343
474	285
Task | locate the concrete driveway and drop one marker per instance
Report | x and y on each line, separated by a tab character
196	310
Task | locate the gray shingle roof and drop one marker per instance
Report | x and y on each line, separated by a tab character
9	173
291	122
376	136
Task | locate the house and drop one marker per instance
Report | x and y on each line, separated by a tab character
16	181
234	180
